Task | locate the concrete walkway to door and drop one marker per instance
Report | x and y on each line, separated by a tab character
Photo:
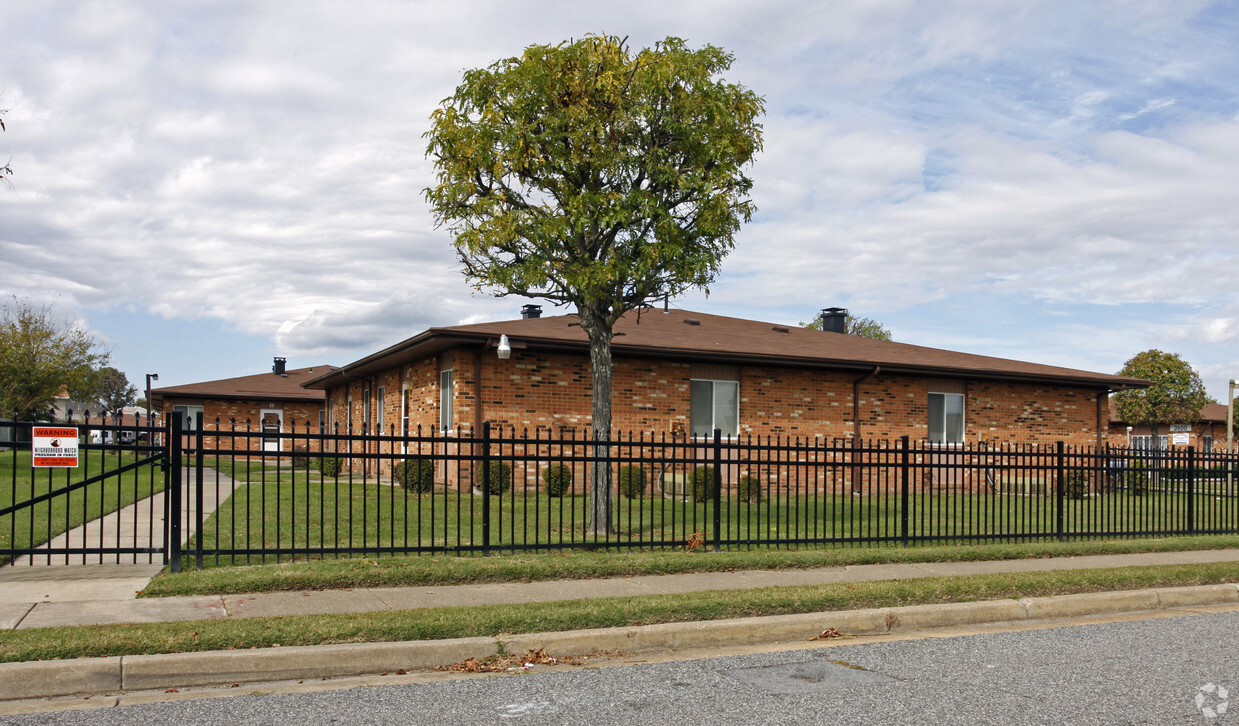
102	580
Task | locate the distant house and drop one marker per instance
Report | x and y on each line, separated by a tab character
678	371
1205	433
274	401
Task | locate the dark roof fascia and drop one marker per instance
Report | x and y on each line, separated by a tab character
166	394
429	342
851	365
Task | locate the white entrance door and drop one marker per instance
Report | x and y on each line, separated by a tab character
272	422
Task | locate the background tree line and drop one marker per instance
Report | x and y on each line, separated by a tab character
44	355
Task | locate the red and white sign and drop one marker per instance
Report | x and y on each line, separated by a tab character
54	445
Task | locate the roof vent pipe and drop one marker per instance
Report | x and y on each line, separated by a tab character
278	368
834	320
531	311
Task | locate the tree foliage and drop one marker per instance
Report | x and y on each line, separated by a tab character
1176	396
863	327
584	174
42	355
113	391
588	175
6	170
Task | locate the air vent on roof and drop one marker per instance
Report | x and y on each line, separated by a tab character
692	321
781	329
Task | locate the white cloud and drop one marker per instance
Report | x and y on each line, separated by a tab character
263	165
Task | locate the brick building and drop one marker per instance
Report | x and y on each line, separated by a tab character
274	401
1205	433
681	371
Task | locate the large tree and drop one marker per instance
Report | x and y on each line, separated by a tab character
592	176
113	391
1176	396
42	355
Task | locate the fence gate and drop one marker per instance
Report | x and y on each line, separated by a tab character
112	507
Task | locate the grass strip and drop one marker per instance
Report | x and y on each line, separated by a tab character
576	565
493	620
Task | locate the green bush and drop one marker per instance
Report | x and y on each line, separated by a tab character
632	481
416	474
301	458
1075	484
1136	479
328	465
749	489
701	484
557	479
500	477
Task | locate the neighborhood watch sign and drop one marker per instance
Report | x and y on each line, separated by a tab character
54	446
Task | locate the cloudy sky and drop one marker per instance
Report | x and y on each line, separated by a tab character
208	184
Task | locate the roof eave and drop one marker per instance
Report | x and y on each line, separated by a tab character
406	351
439	339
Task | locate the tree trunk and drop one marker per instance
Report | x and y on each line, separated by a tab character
600	335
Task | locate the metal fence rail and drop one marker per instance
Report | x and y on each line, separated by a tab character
250	496
111	507
310	494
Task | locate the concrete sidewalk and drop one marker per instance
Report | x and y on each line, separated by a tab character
38	597
32	597
140	524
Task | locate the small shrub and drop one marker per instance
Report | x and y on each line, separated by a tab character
1136	478
701	484
416	474
632	481
1075	484
500	477
328	465
749	489
557	479
301	458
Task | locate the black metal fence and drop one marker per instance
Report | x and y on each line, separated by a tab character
253	496
309	494
111	506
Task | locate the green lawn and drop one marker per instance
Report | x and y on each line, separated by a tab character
493	621
279	508
35	525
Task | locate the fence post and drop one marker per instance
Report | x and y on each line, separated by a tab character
1058	491
905	463
198	490
174	490
486	488
718	488
1191	489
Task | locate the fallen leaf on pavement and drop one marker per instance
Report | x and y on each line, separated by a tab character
828	633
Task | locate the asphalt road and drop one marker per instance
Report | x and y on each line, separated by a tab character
1135	672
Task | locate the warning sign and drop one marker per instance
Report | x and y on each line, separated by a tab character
54	446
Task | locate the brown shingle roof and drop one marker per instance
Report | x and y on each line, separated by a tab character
686	335
1211	413
262	386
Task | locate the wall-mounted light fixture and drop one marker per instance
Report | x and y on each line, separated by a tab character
505	349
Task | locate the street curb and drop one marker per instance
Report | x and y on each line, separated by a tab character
88	676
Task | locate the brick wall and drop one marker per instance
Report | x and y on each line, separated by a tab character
224	415
535	391
1117	435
